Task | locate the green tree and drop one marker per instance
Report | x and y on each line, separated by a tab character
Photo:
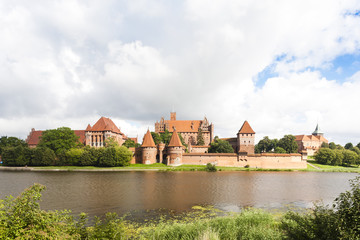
325	156
200	138
130	143
15	156
348	146
73	156
324	145
11	142
111	142
332	145
59	140
115	157
350	157
220	146
89	156
339	158
279	150
156	137
42	156
288	143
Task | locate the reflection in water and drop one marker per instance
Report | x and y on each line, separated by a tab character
99	192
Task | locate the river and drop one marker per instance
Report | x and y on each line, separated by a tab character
99	192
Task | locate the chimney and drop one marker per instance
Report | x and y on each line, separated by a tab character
173	116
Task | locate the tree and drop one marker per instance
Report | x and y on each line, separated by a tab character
332	145
220	146
11	142
350	157
130	143
324	145
279	150
111	142
200	138
15	156
288	143
156	137
325	156
59	140
265	144
358	145
73	156
348	146
115	157
42	156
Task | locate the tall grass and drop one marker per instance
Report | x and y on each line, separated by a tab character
250	224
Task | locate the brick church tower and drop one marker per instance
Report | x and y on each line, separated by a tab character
246	139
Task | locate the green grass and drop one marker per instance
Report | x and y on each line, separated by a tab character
329	168
163	167
250	224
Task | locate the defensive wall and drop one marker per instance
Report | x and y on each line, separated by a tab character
264	160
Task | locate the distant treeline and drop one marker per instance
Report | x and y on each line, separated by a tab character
61	147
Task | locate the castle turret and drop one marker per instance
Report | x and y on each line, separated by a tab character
246	139
175	149
148	148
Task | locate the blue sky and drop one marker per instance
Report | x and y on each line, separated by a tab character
282	65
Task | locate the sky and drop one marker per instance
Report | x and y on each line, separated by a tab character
283	65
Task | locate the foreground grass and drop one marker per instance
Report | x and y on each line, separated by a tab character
250	224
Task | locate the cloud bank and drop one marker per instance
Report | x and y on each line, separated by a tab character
66	63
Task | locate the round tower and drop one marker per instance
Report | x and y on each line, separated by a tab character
148	149
175	150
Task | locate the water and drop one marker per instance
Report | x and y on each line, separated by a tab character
99	192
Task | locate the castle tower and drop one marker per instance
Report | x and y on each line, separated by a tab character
246	139
317	131
175	149
173	116
149	149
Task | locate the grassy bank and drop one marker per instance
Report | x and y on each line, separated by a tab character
162	167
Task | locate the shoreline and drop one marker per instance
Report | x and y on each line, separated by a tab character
184	168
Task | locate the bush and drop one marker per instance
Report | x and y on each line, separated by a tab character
340	222
42	156
115	157
89	157
325	156
73	156
210	168
15	156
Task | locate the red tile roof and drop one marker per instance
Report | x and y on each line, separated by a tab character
246	128
148	141
104	124
175	140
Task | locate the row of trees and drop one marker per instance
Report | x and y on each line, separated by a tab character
61	147
287	144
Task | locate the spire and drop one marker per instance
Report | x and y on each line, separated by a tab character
148	140
245	128
175	140
317	131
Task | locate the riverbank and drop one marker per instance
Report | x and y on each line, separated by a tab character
312	167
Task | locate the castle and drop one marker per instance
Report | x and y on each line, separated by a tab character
175	153
94	136
309	144
188	129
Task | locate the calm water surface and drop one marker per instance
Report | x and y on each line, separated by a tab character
99	192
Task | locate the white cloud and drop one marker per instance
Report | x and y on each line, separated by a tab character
69	61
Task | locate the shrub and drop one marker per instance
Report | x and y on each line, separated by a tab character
210	168
42	156
15	156
325	156
73	156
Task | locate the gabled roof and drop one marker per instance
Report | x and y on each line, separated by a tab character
175	140
148	140
104	124
88	128
246	128
302	138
